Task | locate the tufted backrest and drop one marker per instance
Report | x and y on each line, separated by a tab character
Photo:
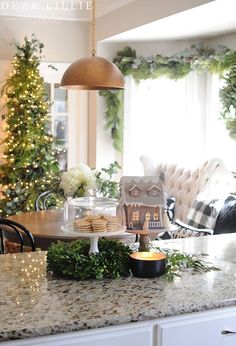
211	179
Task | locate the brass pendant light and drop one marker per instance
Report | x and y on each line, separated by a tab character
93	73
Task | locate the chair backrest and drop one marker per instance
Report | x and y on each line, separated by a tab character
185	231
211	178
48	200
16	232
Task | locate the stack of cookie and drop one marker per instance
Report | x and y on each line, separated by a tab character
83	225
99	225
96	223
112	223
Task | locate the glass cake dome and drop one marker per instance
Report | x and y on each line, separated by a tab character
84	207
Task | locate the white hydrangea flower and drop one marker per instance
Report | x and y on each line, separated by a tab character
78	176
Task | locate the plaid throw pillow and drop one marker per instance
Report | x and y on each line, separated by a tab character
203	214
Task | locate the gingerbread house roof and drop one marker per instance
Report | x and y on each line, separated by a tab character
153	187
145	184
134	187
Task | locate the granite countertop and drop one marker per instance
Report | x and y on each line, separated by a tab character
34	303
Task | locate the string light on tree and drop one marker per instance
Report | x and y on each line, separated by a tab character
30	164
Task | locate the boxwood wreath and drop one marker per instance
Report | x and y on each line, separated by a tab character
197	58
71	260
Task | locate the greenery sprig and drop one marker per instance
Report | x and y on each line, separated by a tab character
177	261
197	58
106	186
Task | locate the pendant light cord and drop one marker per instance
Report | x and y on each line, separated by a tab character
80	75
93	28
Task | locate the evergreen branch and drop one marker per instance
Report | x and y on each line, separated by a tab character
177	261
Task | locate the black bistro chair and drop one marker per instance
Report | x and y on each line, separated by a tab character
48	200
15	237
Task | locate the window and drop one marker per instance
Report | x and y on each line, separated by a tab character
175	121
59	121
156	216
154	192
147	216
66	125
135	216
136	192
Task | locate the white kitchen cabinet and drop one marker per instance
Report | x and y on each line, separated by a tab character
138	334
206	328
193	329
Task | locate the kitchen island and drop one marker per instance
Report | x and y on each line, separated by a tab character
36	305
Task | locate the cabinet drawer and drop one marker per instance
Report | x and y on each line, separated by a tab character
203	329
140	334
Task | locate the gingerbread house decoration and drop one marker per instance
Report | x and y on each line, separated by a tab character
140	198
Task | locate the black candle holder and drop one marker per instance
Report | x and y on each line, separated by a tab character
147	264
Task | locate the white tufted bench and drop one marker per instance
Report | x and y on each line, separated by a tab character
211	178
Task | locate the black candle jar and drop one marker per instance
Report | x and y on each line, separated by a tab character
147	264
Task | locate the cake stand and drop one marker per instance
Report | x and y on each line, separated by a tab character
94	236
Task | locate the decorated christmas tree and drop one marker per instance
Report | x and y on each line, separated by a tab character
30	163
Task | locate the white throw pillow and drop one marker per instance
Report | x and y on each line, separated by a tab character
149	167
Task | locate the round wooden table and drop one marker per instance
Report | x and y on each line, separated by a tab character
46	227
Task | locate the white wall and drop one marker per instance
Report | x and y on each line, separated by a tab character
4	70
63	41
146	49
5	67
228	40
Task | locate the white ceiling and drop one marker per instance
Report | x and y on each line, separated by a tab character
53	10
212	19
107	6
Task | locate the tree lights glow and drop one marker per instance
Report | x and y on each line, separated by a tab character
30	164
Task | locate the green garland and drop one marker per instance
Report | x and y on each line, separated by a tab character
114	116
73	261
197	58
228	100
